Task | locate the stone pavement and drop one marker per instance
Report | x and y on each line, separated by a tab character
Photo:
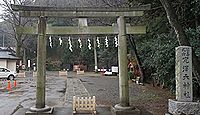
73	87
76	88
68	111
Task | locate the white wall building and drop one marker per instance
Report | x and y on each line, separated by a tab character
8	59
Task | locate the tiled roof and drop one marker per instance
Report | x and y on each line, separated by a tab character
6	54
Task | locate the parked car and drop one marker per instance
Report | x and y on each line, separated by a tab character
6	73
107	73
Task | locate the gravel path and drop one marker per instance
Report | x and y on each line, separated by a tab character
106	90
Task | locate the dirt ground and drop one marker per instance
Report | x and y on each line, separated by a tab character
106	90
153	99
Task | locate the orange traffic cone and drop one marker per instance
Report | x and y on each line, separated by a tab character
15	83
8	85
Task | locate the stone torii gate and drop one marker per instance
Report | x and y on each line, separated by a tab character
82	29
43	12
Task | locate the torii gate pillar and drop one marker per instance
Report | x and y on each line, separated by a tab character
41	59
122	57
123	108
41	71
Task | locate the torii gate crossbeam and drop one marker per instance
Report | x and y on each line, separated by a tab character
75	30
79	12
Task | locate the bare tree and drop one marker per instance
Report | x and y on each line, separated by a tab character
14	21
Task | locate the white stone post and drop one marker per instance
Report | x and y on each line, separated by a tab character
184	73
184	96
29	65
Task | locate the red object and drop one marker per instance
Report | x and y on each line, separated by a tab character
15	83
136	72
8	85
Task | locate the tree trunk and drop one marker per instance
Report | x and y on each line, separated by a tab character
19	45
18	48
182	38
132	42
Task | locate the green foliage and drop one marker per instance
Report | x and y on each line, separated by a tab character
130	75
107	56
59	56
158	56
158	26
87	56
194	35
157	48
83	56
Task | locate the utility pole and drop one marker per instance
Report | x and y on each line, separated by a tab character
3	40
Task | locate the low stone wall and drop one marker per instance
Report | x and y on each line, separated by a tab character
80	72
62	73
28	74
21	74
188	108
34	74
25	74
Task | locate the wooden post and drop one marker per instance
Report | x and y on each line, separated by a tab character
24	59
41	63
95	56
122	57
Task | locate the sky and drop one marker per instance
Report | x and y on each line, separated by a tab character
1	10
